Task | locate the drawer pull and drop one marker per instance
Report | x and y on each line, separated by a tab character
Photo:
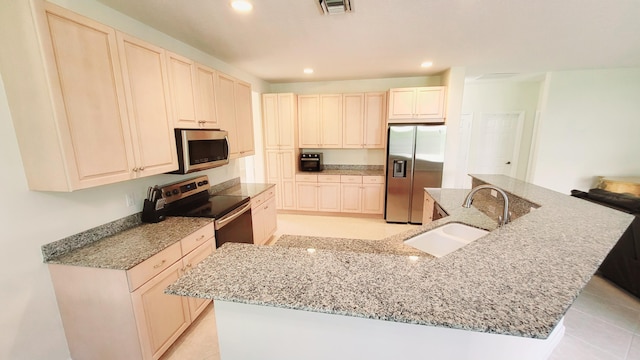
159	265
200	238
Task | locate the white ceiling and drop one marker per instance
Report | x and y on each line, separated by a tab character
390	38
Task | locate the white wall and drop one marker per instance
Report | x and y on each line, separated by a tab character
452	171
506	96
31	324
589	126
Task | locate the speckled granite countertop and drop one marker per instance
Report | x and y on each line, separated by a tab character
518	280
128	248
346	172
246	189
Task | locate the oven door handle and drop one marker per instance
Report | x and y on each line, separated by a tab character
220	223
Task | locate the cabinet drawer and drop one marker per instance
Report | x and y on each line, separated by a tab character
351	179
197	238
257	200
373	179
154	265
329	178
306	178
269	193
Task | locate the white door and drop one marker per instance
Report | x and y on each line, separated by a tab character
495	143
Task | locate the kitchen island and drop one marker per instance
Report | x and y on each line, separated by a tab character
503	295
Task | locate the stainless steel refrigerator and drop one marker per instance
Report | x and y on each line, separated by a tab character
414	161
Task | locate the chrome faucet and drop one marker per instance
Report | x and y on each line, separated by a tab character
502	220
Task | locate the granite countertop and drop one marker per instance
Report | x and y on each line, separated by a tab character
128	248
347	172
519	279
246	189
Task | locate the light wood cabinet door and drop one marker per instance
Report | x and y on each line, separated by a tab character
244	118
182	82
279	113
258	225
205	97
375	107
430	102
287	121
160	318
197	305
372	198
353	120
307	196
421	104
226	111
351	199
402	103
148	103
280	166
270	214
86	78
331	120
271	121
309	121
427	209
329	197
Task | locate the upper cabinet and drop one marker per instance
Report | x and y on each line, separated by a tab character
419	104
193	93
279	114
234	113
320	121
148	104
105	115
364	120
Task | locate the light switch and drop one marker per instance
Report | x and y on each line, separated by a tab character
130	198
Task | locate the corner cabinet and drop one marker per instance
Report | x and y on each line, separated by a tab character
419	104
120	314
235	115
264	216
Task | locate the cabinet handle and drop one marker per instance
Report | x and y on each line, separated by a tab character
188	265
159	265
142	168
134	169
200	238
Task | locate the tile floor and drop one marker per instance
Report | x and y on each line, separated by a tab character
603	323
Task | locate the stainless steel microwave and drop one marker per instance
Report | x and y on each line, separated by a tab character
201	149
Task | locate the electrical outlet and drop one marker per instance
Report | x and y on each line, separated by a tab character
494	193
131	200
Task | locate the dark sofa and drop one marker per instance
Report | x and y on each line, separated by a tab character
622	265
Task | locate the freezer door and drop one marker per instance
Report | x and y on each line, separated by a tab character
427	168
399	169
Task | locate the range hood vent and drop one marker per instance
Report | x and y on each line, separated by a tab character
334	7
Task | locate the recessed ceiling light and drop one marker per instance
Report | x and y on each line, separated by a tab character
426	64
308	71
241	5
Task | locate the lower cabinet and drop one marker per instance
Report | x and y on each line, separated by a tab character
264	216
427	209
118	314
340	193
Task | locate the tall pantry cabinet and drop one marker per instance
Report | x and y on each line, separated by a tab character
281	145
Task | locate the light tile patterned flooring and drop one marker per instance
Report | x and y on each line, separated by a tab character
603	323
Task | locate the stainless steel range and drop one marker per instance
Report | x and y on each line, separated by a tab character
232	213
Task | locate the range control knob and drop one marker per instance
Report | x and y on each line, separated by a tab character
168	193
175	191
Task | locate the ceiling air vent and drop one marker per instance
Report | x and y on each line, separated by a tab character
334	7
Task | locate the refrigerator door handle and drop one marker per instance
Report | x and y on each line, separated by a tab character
399	168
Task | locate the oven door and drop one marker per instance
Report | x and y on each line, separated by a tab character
201	149
236	226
